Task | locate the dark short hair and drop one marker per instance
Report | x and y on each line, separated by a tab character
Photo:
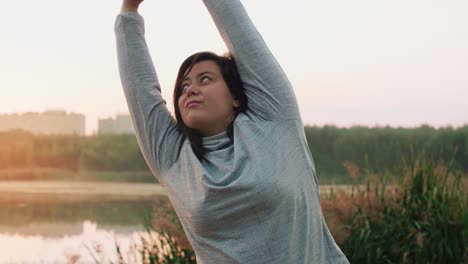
228	68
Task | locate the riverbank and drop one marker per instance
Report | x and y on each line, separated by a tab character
105	188
80	189
57	174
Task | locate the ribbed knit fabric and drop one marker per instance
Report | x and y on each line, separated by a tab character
252	201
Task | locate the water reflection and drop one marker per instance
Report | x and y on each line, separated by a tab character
90	246
24	212
51	228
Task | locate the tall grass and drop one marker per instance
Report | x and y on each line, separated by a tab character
423	218
157	248
164	241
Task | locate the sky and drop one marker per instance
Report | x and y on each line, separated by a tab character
360	62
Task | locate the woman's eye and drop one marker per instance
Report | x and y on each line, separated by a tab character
204	79
184	87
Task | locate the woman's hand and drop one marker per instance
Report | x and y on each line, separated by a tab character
130	5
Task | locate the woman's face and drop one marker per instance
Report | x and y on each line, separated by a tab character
206	104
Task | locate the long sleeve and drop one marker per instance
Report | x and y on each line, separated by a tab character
269	92
252	199
155	128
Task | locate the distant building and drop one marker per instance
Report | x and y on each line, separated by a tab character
49	122
122	124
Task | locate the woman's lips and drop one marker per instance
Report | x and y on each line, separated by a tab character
192	104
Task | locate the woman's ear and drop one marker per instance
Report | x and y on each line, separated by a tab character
235	103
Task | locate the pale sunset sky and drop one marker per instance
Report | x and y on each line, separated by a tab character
359	62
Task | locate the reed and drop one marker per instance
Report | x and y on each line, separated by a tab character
422	218
164	241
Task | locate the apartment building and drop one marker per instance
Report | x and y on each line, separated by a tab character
122	124
48	122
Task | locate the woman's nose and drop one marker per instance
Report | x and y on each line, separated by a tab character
192	90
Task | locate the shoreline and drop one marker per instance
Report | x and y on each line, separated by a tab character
81	189
106	189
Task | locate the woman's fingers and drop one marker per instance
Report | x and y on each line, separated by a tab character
131	5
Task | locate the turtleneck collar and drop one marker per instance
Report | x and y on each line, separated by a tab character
216	142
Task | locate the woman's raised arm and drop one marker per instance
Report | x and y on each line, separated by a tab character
269	91
155	128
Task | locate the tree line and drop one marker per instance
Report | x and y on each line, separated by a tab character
384	149
20	149
378	149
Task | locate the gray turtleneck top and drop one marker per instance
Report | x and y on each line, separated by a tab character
252	201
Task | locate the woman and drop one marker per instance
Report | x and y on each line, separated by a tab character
240	177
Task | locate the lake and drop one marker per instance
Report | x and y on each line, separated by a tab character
71	222
79	222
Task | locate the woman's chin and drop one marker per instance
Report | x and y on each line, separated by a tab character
194	124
